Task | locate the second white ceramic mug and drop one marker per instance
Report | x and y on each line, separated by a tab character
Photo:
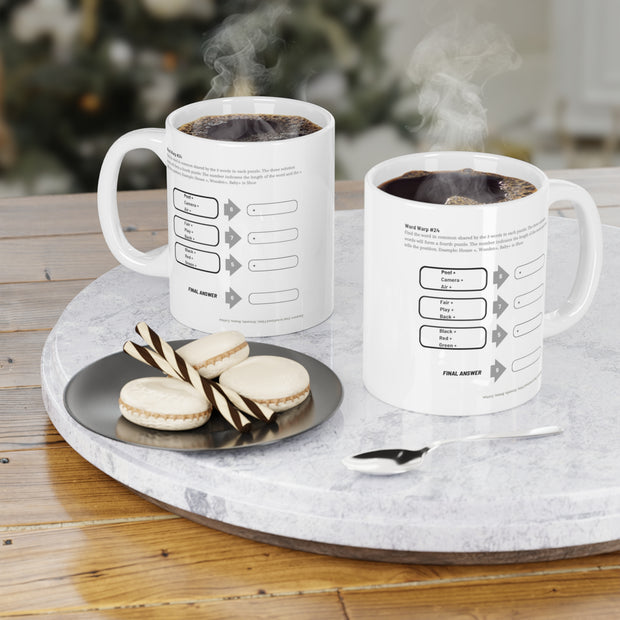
454	314
250	224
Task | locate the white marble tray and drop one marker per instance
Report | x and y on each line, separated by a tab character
478	502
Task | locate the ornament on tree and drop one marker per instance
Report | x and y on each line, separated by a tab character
169	61
120	54
157	97
54	18
173	9
90	21
89	103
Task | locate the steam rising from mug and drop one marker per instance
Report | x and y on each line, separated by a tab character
450	67
232	51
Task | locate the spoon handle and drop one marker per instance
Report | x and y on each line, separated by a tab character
534	432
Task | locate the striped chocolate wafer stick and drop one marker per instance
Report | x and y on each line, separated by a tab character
256	410
188	373
150	357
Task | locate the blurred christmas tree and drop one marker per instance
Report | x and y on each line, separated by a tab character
76	74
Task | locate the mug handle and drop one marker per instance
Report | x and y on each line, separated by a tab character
590	257
155	263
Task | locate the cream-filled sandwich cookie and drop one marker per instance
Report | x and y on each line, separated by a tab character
213	354
278	382
163	403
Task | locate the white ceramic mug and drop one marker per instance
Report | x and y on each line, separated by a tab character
250	224
454	314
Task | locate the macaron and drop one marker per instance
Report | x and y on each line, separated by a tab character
215	353
163	403
278	382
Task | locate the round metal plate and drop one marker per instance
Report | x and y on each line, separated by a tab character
91	398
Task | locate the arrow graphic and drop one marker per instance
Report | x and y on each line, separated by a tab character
232	264
497	370
231	209
499	276
232	298
231	237
498	335
499	305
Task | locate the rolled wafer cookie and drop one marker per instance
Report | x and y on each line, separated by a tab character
213	354
188	373
278	382
163	403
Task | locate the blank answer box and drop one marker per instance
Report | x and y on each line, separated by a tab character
528	326
527	360
273	236
273	264
526	299
274	297
272	208
527	269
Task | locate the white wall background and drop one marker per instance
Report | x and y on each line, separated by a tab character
519	103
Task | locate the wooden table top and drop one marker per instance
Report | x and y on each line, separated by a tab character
75	543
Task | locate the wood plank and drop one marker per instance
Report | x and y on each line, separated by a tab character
609	215
24	421
70	214
71	257
65	257
602	183
60	258
349	195
148	563
152	562
578	594
145	210
20	358
59	486
77	213
316	606
29	306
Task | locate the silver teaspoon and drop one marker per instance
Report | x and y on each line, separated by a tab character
390	461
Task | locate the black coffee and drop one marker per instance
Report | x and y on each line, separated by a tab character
250	127
457	187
